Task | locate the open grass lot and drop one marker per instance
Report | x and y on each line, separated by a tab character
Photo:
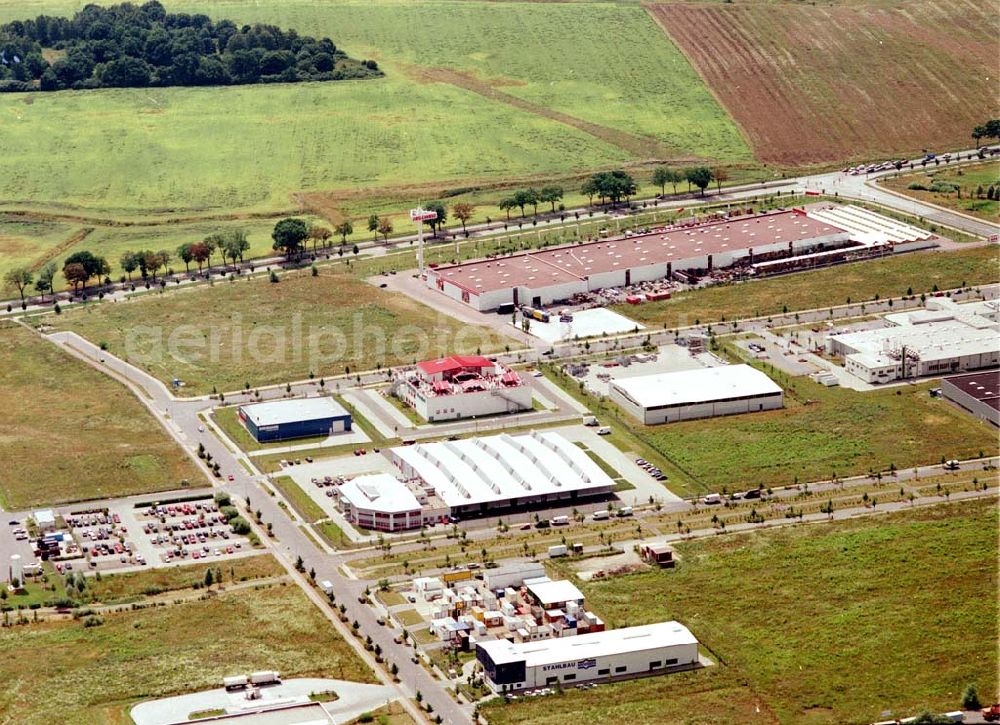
969	178
70	433
841	81
821	432
64	672
253	331
131	585
253	147
826	623
30	243
860	281
299	499
495	91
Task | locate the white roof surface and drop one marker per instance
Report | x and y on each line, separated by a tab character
697	386
503	467
45	516
940	332
379	492
552	592
599	644
291	411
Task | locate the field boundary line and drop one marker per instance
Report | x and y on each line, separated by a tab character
642	147
649	8
63	246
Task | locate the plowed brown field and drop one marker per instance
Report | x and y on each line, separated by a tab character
818	84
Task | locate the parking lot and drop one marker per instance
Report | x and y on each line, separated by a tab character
124	536
187	531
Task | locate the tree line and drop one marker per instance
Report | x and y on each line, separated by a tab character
131	45
291	236
988	130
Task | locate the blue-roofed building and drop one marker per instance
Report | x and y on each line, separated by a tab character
297	418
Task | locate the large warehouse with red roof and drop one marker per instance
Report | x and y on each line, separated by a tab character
542	277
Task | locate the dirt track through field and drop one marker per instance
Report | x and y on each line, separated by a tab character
816	84
62	248
642	147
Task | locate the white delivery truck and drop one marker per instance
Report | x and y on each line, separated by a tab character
590	420
265	677
327	586
235	682
712	498
559	521
558	550
625	511
604	430
601	515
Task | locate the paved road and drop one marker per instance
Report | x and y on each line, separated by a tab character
180	418
862	188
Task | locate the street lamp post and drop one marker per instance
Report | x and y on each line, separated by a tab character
420	215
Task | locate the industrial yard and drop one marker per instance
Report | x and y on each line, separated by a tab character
498	363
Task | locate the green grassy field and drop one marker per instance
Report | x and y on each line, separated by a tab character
861	281
70	433
308	509
827	623
253	331
65	672
969	178
30	244
149	151
132	585
820	432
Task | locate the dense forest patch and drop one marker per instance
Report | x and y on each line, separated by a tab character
129	45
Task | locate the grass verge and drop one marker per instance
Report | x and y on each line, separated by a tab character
822	624
304	506
61	671
71	433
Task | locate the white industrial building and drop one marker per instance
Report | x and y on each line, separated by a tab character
612	654
462	386
942	339
545	276
470	477
512	575
384	503
703	393
480	475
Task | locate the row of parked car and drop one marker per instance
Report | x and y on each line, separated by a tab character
202	522
651	469
204	552
197	537
93	518
186	508
123	552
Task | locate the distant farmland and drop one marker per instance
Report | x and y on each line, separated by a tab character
480	93
819	84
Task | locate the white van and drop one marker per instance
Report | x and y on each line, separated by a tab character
601	515
559	521
712	498
624	511
604	430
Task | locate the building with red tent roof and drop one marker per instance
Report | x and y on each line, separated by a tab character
462	387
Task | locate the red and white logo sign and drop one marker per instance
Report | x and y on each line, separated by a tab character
422	215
